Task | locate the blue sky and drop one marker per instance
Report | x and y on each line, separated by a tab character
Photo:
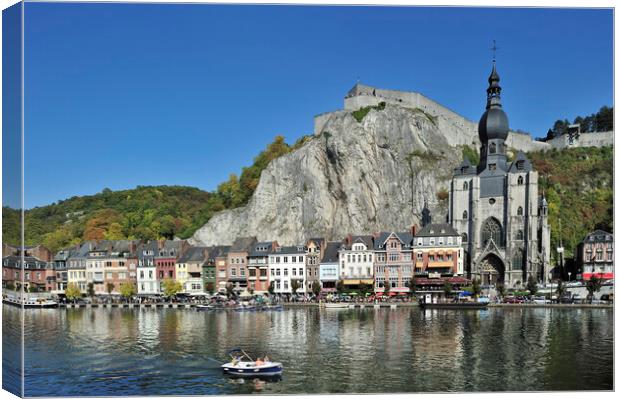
119	95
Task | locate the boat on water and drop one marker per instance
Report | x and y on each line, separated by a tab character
30	302
453	305
336	305
242	365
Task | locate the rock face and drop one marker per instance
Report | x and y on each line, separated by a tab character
353	177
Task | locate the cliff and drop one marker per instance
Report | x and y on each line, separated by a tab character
352	177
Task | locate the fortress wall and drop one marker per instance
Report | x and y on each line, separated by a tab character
597	139
525	142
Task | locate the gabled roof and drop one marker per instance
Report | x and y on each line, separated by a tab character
317	241
465	168
193	254
261	248
218	251
290	250
405	238
599	236
331	252
437	230
521	164
243	244
364	239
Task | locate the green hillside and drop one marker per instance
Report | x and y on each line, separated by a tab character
578	184
140	213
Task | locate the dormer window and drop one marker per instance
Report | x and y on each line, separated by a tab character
520	165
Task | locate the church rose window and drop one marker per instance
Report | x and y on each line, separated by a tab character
492	230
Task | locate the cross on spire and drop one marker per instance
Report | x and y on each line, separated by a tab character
494	49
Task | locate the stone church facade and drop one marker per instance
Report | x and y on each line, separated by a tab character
497	209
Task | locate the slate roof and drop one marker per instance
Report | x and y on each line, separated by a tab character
193	254
243	244
331	252
599	236
437	230
263	248
405	238
526	165
364	239
292	250
217	251
465	168
30	262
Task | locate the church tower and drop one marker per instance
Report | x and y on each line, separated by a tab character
495	206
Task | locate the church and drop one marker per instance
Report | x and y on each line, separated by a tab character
496	207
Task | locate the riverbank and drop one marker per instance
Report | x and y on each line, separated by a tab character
169	305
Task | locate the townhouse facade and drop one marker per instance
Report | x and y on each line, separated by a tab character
356	258
438	251
314	255
214	269
393	268
595	256
329	269
189	269
258	266
288	264
237	263
147	283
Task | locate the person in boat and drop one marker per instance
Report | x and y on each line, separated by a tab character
266	359
235	360
259	362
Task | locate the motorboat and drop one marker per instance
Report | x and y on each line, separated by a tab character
29	302
242	365
336	305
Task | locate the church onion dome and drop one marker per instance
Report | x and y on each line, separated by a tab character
494	122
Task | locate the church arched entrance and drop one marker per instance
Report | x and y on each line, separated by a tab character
491	270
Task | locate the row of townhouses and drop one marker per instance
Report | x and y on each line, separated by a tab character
386	261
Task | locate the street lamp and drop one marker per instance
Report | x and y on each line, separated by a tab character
569	273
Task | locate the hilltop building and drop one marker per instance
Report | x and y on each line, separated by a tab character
496	207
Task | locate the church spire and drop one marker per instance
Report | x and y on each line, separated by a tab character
494	90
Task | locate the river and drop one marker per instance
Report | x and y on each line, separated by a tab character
171	351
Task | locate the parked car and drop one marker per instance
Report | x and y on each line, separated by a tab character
513	299
540	300
566	299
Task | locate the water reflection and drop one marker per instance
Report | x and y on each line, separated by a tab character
168	351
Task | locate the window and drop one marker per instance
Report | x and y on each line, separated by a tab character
465	186
301	271
273	272
294	272
492	148
419	241
294	259
348	258
492	166
520	180
242	271
301	259
277	272
233	272
520	211
393	257
465	215
359	258
369	257
419	255
519	235
286	272
492	230
431	258
450	241
432	241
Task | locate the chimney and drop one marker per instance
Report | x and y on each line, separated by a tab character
414	229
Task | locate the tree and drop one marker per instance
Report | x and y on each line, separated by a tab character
109	287
271	288
340	286
447	288
32	288
90	290
475	287
532	285
229	290
127	289
316	288
501	290
294	286
593	285
560	290
412	285
171	287
72	292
